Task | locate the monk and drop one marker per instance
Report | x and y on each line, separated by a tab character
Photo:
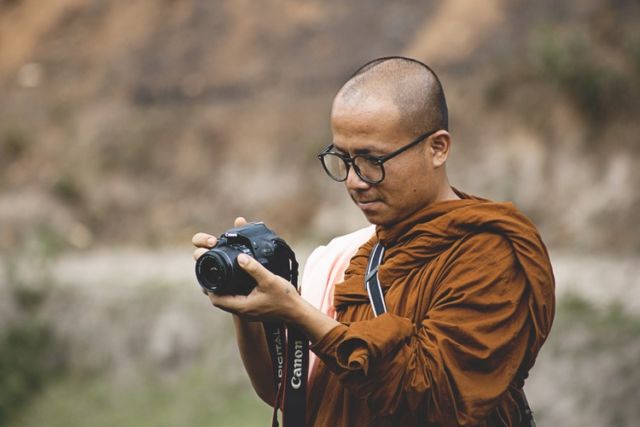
467	282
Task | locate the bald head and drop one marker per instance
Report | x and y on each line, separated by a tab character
410	85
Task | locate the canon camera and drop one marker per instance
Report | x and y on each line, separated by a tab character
218	271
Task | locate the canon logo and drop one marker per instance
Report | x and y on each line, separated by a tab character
296	379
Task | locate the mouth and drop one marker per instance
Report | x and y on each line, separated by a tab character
367	204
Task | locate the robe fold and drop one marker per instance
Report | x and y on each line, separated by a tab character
469	291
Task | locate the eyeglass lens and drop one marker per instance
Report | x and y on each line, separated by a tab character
365	168
335	166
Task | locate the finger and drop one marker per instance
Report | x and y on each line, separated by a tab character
254	268
239	222
199	252
204	240
230	303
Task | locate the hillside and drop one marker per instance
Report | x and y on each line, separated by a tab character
140	122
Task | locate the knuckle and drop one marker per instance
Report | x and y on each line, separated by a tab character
202	240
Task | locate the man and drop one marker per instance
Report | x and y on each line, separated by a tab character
467	283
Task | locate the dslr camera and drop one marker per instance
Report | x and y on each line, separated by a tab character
218	271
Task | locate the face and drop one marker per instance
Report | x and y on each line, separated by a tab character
413	179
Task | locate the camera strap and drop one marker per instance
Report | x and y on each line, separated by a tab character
289	349
376	298
372	282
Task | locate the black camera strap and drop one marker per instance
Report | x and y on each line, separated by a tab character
289	349
372	283
376	298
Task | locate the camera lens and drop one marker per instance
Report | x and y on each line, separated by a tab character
214	270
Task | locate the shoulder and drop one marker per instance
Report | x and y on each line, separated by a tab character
326	264
485	244
356	237
479	254
341	244
337	253
480	264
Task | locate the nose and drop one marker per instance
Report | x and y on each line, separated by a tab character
354	182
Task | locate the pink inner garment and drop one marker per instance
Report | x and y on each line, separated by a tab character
325	267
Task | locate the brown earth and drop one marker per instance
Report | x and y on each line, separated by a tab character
141	122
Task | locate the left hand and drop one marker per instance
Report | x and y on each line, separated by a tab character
273	298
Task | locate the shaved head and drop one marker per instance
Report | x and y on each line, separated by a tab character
410	85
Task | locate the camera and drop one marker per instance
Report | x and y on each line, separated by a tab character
217	270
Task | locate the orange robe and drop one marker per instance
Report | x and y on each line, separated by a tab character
469	291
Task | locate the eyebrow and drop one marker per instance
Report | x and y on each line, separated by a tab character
363	150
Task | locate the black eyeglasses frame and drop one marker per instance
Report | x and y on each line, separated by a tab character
380	161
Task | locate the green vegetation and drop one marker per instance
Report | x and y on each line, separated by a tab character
30	353
14	144
596	86
574	309
51	375
68	189
195	398
28	361
597	350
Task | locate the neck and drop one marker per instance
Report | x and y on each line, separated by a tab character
447	201
446	191
449	194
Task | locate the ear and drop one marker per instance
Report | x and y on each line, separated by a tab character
439	144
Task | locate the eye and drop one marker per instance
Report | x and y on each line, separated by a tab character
339	151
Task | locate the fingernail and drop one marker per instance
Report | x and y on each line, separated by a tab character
243	259
211	241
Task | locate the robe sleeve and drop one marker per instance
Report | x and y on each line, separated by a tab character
460	360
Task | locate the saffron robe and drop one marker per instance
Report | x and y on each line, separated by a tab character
469	291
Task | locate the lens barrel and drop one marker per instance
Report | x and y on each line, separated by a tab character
214	270
218	271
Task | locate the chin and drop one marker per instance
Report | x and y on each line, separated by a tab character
378	219
386	218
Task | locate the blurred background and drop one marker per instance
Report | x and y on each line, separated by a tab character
127	126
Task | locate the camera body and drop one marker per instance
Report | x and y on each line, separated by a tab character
217	270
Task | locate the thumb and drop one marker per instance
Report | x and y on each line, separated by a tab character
239	222
254	268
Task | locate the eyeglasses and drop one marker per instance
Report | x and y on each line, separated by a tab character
369	168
